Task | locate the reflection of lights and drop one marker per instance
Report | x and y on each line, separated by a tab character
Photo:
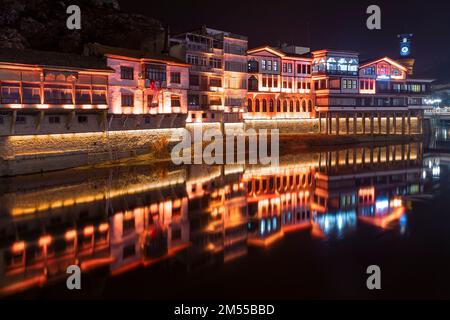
103	227
88	231
274	223
396	203
382	204
269	227
45	241
70	235
424	174
339	222
436	171
262	227
18	247
403	222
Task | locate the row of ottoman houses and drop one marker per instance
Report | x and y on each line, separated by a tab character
205	75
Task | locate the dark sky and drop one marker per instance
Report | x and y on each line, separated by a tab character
332	24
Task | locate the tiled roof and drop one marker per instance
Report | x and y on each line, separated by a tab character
52	59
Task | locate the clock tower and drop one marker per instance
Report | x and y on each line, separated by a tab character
405	51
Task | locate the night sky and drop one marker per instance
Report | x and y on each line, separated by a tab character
332	24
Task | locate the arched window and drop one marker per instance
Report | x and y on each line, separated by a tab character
303	106
291	106
284	106
278	105
309	105
257	105
297	106
264	105
249	105
271	105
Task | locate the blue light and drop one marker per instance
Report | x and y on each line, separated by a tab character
274	222
262	227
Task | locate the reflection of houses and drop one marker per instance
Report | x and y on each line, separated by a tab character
364	181
45	230
278	202
217	214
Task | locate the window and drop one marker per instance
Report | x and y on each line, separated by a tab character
126	73
215	82
54	119
175	77
175	101
289	67
194	80
21	120
193	100
82	95
269	65
98	95
369	71
263	64
275	66
249	105
156	72
127	99
270	105
284	67
82	119
147	119
31	93
58	94
10	92
215	63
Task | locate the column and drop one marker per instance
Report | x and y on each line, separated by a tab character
371	124
364	123
320	123
379	123
355	127
337	123
388	124
347	124
395	124
409	123
403	123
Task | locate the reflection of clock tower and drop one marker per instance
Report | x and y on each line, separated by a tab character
405	52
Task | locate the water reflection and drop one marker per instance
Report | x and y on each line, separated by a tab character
128	217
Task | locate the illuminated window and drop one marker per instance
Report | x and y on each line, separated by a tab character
275	66
193	100
263	64
269	65
284	67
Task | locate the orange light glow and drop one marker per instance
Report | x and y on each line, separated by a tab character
103	227
88	231
18	247
70	235
45	241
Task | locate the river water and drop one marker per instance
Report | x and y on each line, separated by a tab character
308	228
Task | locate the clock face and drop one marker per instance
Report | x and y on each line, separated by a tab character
404	50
